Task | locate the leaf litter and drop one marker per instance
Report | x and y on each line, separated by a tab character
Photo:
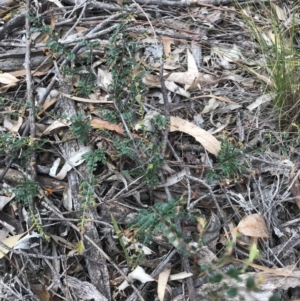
212	73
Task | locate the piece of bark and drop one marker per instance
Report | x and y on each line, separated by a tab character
13	24
84	290
13	60
122	214
15	177
95	262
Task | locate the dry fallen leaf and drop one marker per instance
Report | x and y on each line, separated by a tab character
41	291
105	77
19	73
47	104
154	81
75	160
67	198
137	274
13	125
25	243
192	78
281	15
167	42
105	125
253	225
10	242
56	124
57	3
4	89
192	65
7	79
180	276
221	98
163	278
171	86
260	100
210	106
295	190
208	141
80	99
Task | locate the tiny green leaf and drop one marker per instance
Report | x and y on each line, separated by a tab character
232	292
216	278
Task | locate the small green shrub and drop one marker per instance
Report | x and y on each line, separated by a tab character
87	188
229	162
80	127
142	156
26	192
161	219
19	147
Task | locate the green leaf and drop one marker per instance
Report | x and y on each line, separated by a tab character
187	240
172	239
234	273
173	228
179	247
232	292
254	253
166	232
80	247
119	234
179	234
250	283
216	278
275	297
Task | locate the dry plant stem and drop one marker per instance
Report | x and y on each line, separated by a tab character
12	44
47	203
21	272
187	268
6	168
127	194
178	36
94	36
229	201
56	276
212	195
105	22
189	280
77	21
12	291
153	30
127	129
77	220
293	242
186	178
40	256
188	202
166	106
30	97
167	190
185	3
288	190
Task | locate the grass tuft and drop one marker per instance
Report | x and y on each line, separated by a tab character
275	32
